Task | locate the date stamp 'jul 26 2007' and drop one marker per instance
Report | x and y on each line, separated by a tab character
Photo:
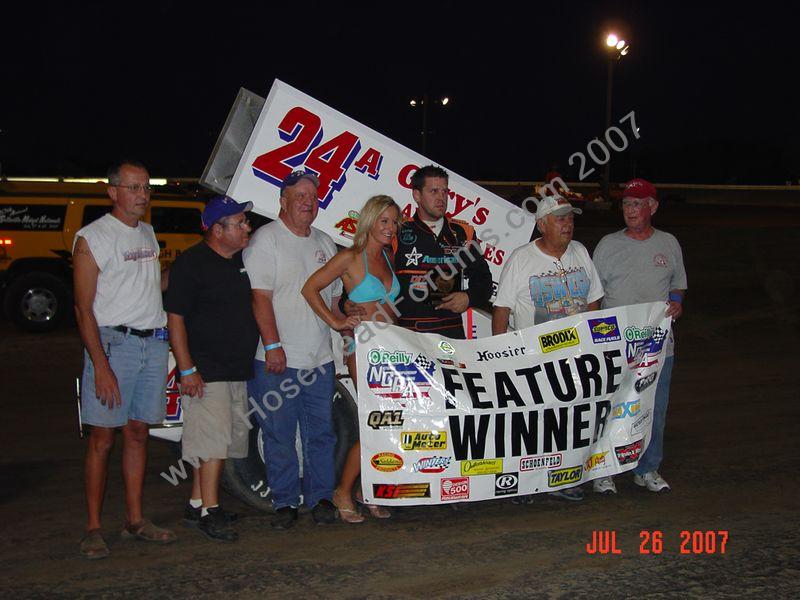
604	541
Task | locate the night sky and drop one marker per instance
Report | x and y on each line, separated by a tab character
713	87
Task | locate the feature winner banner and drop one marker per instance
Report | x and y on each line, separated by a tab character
353	162
530	411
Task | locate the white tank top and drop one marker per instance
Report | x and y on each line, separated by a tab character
129	282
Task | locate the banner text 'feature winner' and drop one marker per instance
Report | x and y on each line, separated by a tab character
530	411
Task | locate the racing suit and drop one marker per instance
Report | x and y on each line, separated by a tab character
430	267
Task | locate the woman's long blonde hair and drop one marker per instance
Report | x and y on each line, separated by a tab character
367	217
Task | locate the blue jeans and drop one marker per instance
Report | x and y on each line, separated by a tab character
655	450
301	397
140	366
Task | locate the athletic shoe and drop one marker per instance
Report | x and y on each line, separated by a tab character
324	513
652	481
604	485
191	515
574	494
285	518
214	526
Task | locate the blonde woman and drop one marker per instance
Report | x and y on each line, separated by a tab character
368	277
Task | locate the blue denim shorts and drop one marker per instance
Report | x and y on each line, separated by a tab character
140	365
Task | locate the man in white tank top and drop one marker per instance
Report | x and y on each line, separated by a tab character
122	324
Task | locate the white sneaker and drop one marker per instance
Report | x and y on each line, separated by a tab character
652	481
604	485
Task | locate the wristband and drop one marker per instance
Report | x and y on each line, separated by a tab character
272	346
188	371
675	297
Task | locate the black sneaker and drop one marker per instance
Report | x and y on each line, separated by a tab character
285	518
214	526
191	515
324	512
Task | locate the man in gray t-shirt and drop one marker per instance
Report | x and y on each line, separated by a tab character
642	264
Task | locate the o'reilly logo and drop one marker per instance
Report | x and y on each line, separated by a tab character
644	382
559	339
507	353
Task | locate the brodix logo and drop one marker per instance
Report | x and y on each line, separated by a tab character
557	340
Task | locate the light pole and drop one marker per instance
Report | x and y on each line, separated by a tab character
616	49
423	102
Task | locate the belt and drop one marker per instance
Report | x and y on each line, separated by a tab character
137	332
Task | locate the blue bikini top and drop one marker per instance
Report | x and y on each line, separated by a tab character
371	289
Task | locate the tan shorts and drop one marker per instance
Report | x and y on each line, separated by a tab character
214	425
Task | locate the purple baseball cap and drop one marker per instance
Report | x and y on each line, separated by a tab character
222	206
295	176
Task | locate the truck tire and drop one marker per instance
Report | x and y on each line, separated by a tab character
246	478
36	302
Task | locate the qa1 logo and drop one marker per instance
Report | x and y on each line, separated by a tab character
506	484
329	160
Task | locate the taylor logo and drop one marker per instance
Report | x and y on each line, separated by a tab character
387	462
559	339
398	491
533	463
455	488
604	330
321	258
595	461
482	466
566	476
432	464
387	419
660	260
423	440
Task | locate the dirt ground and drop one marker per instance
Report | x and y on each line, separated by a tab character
731	458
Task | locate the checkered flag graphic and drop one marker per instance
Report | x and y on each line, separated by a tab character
424	363
659	335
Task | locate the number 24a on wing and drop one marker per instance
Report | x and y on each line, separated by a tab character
330	160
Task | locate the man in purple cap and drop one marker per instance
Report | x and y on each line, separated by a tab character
294	370
550	278
643	264
214	335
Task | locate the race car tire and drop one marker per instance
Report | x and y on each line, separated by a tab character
36	302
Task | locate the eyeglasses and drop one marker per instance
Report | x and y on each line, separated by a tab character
137	187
